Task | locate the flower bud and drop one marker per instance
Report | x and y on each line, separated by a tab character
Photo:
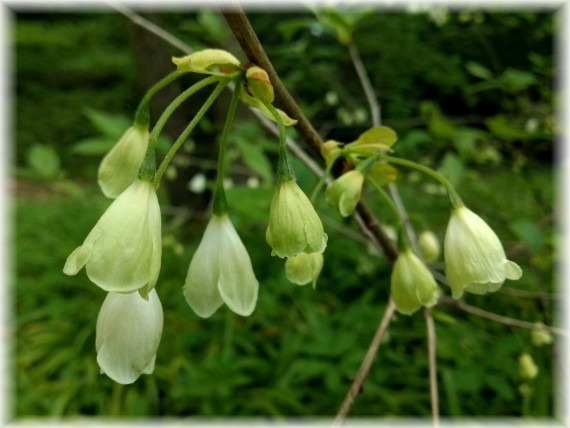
429	246
527	368
540	337
294	226
330	152
304	268
345	191
259	84
206	60
475	260
120	167
128	334
412	284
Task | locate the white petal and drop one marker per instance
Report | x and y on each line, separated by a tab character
237	283
128	334
201	285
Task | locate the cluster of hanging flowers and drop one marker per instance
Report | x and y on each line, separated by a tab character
122	253
475	259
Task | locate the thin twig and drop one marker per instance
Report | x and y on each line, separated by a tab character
512	322
375	111
151	27
365	365
432	358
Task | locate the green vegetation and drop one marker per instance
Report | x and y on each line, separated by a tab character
469	94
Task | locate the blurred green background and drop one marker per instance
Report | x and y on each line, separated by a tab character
470	93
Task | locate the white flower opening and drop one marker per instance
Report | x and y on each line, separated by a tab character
122	252
221	272
120	167
128	334
475	260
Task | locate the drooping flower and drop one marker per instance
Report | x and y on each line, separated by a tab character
304	268
221	272
294	226
128	334
527	367
119	168
345	191
429	246
412	284
122	252
475	260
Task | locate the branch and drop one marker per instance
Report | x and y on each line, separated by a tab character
512	322
365	365
245	35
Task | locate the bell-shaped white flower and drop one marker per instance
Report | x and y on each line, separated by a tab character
294	225
221	272
304	268
128	333
119	168
475	260
345	191
412	284
122	252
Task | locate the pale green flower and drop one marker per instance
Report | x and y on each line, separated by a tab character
345	191
221	272
120	167
304	268
429	246
540	336
294	226
527	367
412	284
122	252
475	260
128	334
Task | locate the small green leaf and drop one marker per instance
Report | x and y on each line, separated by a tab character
530	233
255	158
452	168
111	125
478	70
378	135
43	161
515	81
97	146
383	173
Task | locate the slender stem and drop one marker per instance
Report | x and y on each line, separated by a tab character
284	169
384	195
142	115
511	322
175	104
184	135
432	359
151	27
366	364
454	197
320	184
366	84
220	206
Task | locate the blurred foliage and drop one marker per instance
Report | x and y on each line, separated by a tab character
469	93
